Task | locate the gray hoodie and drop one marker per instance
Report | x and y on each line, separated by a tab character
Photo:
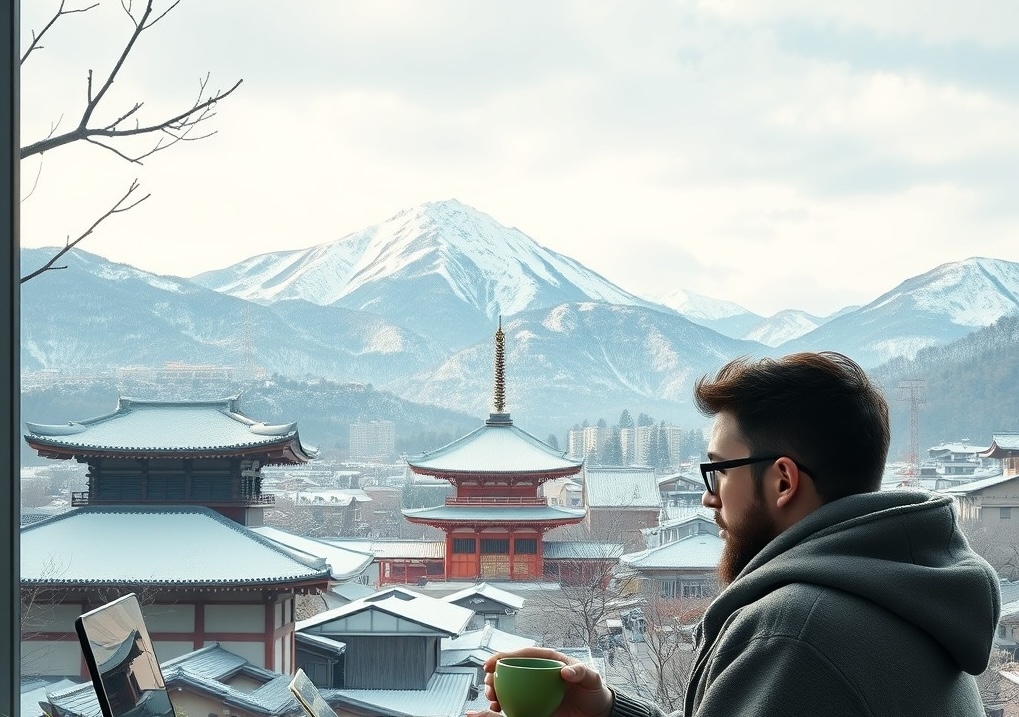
872	605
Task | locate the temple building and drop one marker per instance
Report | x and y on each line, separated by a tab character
172	513
174	453
496	519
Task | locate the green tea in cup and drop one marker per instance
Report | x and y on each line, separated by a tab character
528	686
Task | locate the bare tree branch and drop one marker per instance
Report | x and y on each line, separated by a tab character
121	206
177	126
35	184
37	37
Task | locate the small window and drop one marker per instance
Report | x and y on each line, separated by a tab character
463	546
1006	513
495	546
525	546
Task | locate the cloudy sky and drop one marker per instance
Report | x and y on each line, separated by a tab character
775	153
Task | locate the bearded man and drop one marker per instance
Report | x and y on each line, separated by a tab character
840	599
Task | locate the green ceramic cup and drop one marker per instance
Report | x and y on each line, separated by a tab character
528	686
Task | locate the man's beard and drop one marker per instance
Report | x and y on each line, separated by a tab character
744	540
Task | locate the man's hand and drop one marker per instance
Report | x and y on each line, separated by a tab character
585	696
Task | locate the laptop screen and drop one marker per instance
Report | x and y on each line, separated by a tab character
121	661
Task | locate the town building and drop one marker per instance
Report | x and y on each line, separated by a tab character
620	503
496	520
372	441
683	568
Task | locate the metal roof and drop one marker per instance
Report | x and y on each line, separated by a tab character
496	514
978	485
621	488
495	448
488	591
401	603
157	545
168	426
692	551
344	563
444	696
579	550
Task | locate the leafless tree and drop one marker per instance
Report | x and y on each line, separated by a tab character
184	125
575	614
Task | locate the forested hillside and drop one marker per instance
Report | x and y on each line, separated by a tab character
971	391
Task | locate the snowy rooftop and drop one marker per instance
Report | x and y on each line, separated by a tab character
1003	442
978	485
97	545
496	514
343	562
445	695
495	448
176	427
579	550
692	551
622	488
477	646
335	497
390	549
491	592
423	610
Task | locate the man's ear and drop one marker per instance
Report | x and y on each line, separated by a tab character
785	481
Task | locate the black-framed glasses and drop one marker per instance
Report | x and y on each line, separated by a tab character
708	470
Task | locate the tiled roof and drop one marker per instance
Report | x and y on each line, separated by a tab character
496	514
496	448
477	646
173	427
621	488
156	545
444	696
1002	442
579	550
389	549
488	591
344	563
421	609
692	551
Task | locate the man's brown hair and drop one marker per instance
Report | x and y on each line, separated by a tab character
819	409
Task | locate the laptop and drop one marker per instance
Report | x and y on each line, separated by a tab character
121	661
309	697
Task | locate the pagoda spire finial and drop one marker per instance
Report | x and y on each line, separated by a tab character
499	414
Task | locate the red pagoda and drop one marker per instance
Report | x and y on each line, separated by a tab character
496	519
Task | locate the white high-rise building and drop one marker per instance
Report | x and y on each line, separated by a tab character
372	441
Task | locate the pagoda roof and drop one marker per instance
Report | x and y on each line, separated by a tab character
497	447
184	428
1003	445
495	514
128	545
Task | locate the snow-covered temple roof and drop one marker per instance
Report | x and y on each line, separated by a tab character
206	428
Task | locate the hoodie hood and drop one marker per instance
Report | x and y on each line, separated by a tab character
901	550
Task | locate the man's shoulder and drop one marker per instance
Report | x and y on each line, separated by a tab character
805	611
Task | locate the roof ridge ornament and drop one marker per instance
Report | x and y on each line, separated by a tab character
499	417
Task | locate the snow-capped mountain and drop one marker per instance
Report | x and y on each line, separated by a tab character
934	308
784	326
583	360
96	316
442	269
726	317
